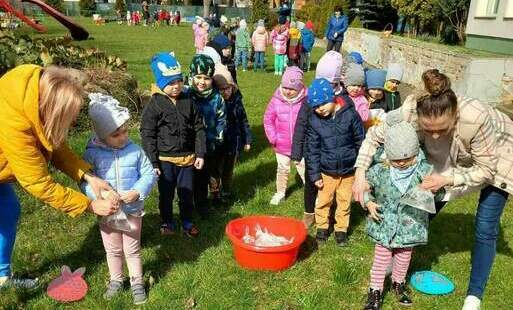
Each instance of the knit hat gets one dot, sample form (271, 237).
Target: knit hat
(401, 140)
(300, 25)
(106, 114)
(222, 41)
(243, 24)
(222, 76)
(166, 69)
(375, 79)
(293, 78)
(261, 22)
(355, 57)
(320, 92)
(355, 76)
(330, 67)
(394, 72)
(212, 53)
(309, 25)
(202, 64)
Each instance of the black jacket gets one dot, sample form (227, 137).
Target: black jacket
(332, 143)
(172, 130)
(238, 132)
(392, 100)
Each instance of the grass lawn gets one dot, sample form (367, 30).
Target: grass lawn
(204, 269)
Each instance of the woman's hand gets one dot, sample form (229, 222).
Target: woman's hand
(98, 185)
(435, 182)
(373, 207)
(103, 207)
(360, 186)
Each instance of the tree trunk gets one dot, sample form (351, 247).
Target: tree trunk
(186, 2)
(206, 7)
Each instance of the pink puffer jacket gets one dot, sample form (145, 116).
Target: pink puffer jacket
(200, 37)
(280, 120)
(260, 39)
(280, 41)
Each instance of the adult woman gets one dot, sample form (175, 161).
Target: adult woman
(337, 26)
(469, 144)
(38, 108)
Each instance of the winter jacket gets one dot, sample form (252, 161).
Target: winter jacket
(171, 130)
(362, 107)
(227, 61)
(294, 45)
(238, 132)
(279, 40)
(393, 100)
(201, 38)
(336, 25)
(280, 120)
(307, 40)
(402, 226)
(213, 111)
(24, 149)
(125, 169)
(260, 39)
(242, 40)
(332, 143)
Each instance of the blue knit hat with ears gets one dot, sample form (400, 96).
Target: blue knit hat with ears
(320, 92)
(166, 69)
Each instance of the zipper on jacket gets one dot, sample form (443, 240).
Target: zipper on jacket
(118, 179)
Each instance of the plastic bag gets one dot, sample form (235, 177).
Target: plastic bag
(118, 221)
(419, 199)
(263, 238)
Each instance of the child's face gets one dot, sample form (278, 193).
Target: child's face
(325, 109)
(118, 138)
(376, 94)
(227, 52)
(354, 90)
(174, 89)
(289, 93)
(402, 164)
(226, 91)
(393, 84)
(203, 82)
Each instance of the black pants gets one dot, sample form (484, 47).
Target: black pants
(217, 173)
(310, 193)
(180, 178)
(334, 45)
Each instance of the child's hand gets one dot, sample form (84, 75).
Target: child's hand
(130, 196)
(373, 207)
(319, 184)
(199, 163)
(157, 171)
(247, 147)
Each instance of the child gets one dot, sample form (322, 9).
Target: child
(279, 38)
(222, 44)
(308, 40)
(279, 123)
(393, 79)
(330, 68)
(375, 81)
(174, 139)
(295, 45)
(334, 136)
(242, 45)
(212, 107)
(260, 40)
(128, 18)
(237, 136)
(354, 81)
(394, 226)
(201, 37)
(126, 168)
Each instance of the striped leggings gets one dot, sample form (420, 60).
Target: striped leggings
(383, 257)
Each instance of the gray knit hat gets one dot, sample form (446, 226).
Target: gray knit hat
(106, 114)
(355, 76)
(401, 140)
(261, 22)
(394, 72)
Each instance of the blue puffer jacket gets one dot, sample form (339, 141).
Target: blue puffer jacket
(238, 132)
(125, 169)
(338, 26)
(332, 143)
(308, 40)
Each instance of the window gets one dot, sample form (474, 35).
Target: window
(487, 8)
(509, 9)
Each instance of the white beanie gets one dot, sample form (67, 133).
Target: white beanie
(212, 53)
(394, 72)
(243, 24)
(106, 114)
(401, 139)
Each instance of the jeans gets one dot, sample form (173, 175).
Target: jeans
(241, 56)
(179, 178)
(279, 63)
(9, 215)
(334, 45)
(259, 60)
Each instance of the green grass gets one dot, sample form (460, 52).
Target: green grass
(204, 269)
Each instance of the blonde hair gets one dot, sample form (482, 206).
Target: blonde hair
(60, 100)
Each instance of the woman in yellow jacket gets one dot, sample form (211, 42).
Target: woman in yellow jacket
(37, 108)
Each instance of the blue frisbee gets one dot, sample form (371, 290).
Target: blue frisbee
(431, 283)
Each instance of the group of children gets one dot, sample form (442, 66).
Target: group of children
(160, 17)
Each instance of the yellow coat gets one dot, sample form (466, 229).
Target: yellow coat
(24, 150)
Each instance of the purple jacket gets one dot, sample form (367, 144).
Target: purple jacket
(280, 120)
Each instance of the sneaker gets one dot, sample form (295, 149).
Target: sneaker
(190, 230)
(322, 235)
(277, 198)
(401, 292)
(374, 300)
(168, 229)
(139, 294)
(113, 288)
(472, 303)
(341, 238)
(20, 283)
(308, 219)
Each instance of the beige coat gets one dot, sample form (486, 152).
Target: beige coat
(482, 146)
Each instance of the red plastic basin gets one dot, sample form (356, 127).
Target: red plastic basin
(266, 258)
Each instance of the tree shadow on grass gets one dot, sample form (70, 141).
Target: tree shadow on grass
(246, 184)
(259, 145)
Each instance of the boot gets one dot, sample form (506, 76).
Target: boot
(401, 292)
(308, 219)
(322, 235)
(374, 300)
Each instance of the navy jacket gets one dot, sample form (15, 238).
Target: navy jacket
(238, 132)
(333, 142)
(338, 26)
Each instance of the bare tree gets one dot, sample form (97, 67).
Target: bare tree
(206, 7)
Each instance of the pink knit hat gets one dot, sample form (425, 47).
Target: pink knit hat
(330, 67)
(293, 78)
